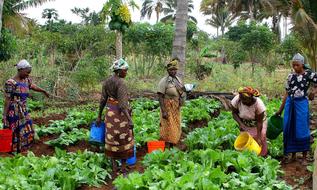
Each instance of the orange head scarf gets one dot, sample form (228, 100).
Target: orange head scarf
(249, 92)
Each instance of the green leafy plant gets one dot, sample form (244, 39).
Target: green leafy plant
(220, 134)
(200, 109)
(204, 169)
(69, 138)
(61, 171)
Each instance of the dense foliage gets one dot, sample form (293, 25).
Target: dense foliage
(204, 169)
(61, 171)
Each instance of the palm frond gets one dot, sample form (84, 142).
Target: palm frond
(133, 5)
(22, 5)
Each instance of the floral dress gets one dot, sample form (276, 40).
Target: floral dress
(18, 118)
(298, 85)
(296, 132)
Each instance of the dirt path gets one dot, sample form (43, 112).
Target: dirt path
(297, 175)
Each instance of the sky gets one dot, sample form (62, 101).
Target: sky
(64, 10)
(64, 7)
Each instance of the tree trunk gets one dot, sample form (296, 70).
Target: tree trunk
(222, 31)
(1, 8)
(118, 44)
(157, 16)
(217, 32)
(285, 26)
(179, 43)
(251, 12)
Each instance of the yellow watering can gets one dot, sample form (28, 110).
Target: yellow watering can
(246, 142)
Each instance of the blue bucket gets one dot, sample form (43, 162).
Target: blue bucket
(97, 133)
(132, 160)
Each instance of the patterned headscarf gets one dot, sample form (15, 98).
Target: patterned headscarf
(172, 64)
(23, 64)
(119, 64)
(249, 92)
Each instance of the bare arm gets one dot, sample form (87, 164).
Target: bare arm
(259, 122)
(102, 104)
(236, 117)
(38, 89)
(280, 111)
(5, 110)
(162, 106)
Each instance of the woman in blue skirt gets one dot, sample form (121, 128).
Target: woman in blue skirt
(295, 103)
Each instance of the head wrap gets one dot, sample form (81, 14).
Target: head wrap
(172, 64)
(23, 64)
(298, 57)
(119, 64)
(249, 92)
(301, 59)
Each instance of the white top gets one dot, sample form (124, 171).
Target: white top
(248, 112)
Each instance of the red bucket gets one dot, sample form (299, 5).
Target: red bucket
(5, 140)
(155, 145)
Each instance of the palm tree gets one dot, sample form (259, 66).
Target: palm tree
(150, 6)
(1, 8)
(304, 18)
(251, 9)
(12, 18)
(222, 19)
(50, 15)
(170, 10)
(88, 17)
(179, 42)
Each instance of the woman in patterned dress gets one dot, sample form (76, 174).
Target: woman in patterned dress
(250, 113)
(296, 132)
(119, 125)
(171, 94)
(15, 113)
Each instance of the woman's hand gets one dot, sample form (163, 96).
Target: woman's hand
(258, 139)
(5, 121)
(278, 113)
(311, 96)
(98, 120)
(46, 94)
(243, 127)
(131, 125)
(165, 115)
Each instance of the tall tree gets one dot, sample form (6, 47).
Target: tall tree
(88, 17)
(120, 16)
(179, 42)
(251, 9)
(304, 18)
(222, 19)
(50, 15)
(1, 8)
(170, 10)
(12, 18)
(150, 6)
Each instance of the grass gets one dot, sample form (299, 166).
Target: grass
(225, 79)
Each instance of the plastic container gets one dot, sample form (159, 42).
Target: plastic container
(97, 133)
(132, 160)
(274, 127)
(5, 140)
(246, 142)
(155, 145)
